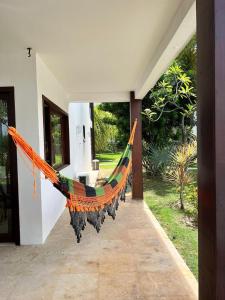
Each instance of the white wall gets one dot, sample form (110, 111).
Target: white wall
(32, 79)
(80, 149)
(79, 115)
(17, 70)
(53, 202)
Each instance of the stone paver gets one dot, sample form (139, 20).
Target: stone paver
(131, 258)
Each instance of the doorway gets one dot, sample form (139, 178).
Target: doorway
(9, 208)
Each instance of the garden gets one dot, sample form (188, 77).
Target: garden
(169, 150)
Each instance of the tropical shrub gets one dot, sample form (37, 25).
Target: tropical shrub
(121, 119)
(105, 132)
(191, 197)
(174, 93)
(170, 98)
(178, 171)
(155, 159)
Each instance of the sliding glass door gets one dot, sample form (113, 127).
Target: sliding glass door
(9, 212)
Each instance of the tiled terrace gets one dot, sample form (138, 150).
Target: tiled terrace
(131, 258)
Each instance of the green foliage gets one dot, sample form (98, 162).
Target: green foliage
(56, 128)
(121, 119)
(169, 114)
(4, 148)
(191, 197)
(3, 111)
(160, 197)
(105, 132)
(155, 159)
(173, 93)
(169, 108)
(178, 171)
(108, 160)
(187, 60)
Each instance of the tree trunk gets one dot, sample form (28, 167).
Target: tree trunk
(181, 197)
(183, 133)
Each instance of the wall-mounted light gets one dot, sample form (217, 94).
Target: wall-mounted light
(29, 51)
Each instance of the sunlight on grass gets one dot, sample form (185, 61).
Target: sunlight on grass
(108, 157)
(107, 163)
(160, 197)
(108, 160)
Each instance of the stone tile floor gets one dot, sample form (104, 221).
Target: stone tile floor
(131, 258)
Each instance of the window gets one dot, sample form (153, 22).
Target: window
(56, 135)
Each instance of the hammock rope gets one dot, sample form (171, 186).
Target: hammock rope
(85, 203)
(36, 160)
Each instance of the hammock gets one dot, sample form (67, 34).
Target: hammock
(85, 203)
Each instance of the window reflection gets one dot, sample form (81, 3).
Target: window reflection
(56, 131)
(5, 186)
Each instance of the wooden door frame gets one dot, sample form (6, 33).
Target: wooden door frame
(13, 167)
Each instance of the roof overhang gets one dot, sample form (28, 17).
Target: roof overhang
(100, 50)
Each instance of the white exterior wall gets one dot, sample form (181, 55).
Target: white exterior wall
(80, 149)
(53, 202)
(17, 70)
(81, 156)
(32, 79)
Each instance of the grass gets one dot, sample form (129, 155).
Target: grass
(108, 160)
(160, 197)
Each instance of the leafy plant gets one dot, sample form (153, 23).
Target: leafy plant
(155, 159)
(121, 119)
(188, 59)
(105, 132)
(3, 111)
(178, 172)
(191, 197)
(174, 92)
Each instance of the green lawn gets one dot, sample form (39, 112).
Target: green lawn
(108, 160)
(160, 197)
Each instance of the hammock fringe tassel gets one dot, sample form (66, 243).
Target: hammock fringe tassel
(79, 220)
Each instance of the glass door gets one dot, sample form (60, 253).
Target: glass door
(9, 214)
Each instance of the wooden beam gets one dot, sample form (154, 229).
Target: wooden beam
(211, 147)
(135, 112)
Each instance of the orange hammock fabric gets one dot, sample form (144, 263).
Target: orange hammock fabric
(85, 203)
(37, 161)
(77, 199)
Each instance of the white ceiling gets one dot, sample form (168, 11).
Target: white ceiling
(98, 49)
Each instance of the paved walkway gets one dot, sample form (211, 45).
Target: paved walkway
(130, 259)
